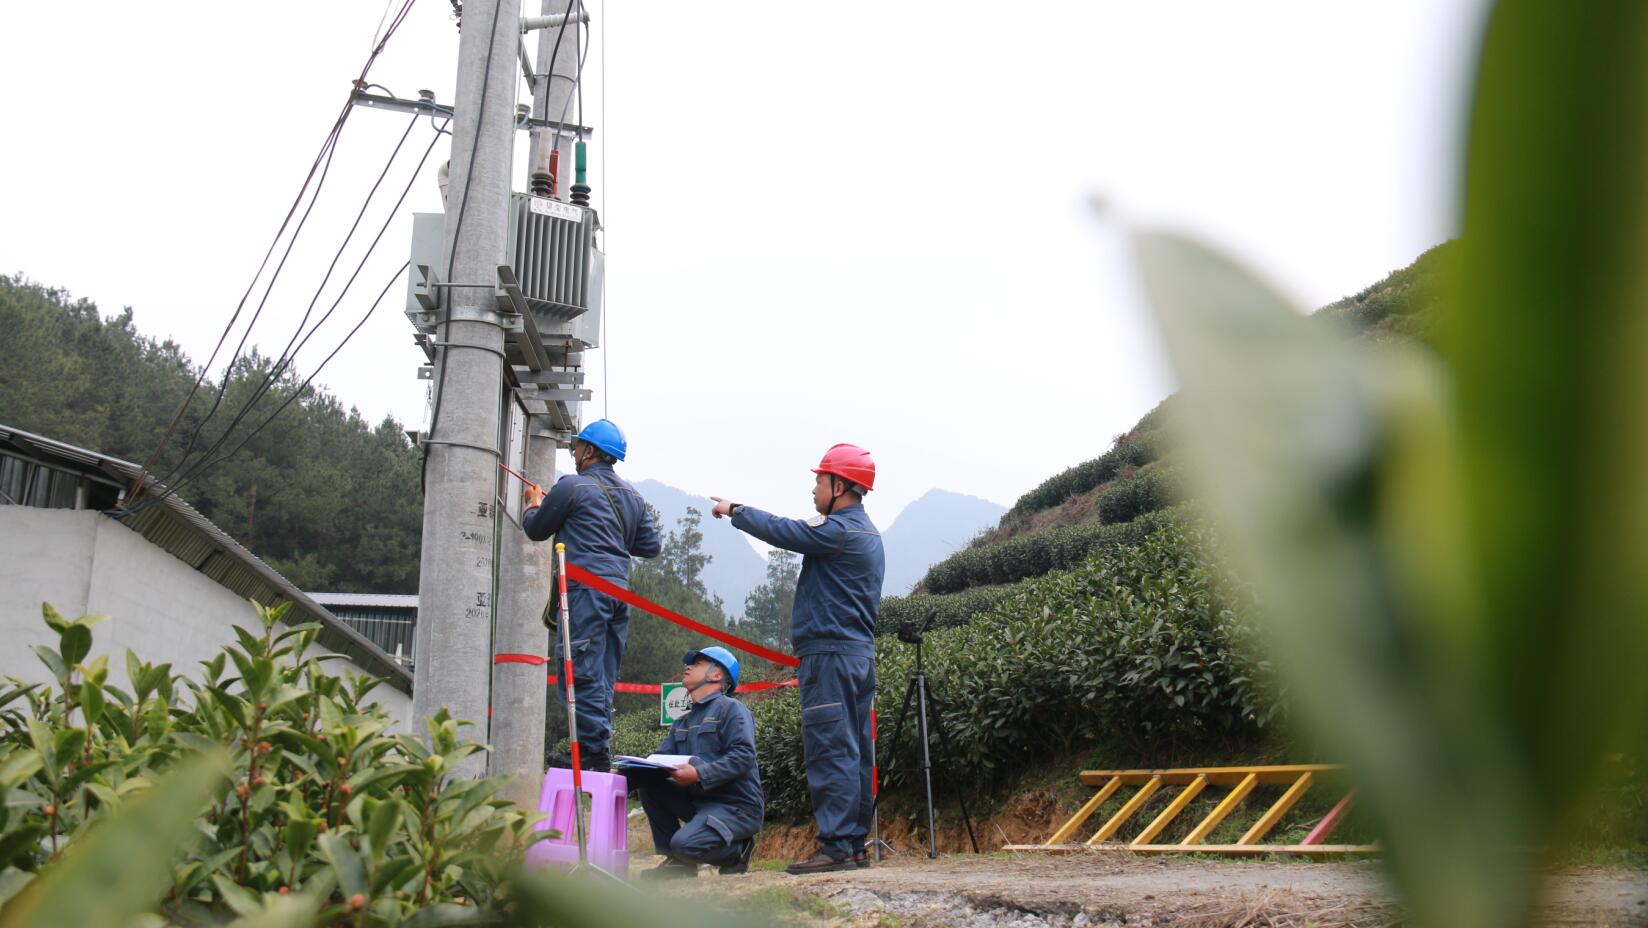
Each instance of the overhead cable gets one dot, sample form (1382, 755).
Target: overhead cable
(331, 138)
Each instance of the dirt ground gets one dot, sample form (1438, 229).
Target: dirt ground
(1114, 888)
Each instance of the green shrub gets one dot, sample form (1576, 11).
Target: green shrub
(1143, 493)
(1137, 452)
(637, 733)
(320, 800)
(1140, 645)
(1036, 554)
(945, 611)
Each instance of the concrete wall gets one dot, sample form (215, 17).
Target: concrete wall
(85, 563)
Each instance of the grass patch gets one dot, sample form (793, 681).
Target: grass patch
(784, 905)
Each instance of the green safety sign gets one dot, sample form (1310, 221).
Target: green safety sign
(673, 703)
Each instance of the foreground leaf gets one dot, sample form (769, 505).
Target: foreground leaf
(124, 866)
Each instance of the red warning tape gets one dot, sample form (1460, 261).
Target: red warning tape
(574, 572)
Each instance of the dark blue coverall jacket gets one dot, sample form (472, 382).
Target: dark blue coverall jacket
(725, 806)
(837, 600)
(600, 536)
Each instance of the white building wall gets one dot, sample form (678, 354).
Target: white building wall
(85, 563)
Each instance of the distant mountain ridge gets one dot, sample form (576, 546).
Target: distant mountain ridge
(929, 530)
(734, 569)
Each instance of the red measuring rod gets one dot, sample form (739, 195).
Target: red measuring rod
(517, 476)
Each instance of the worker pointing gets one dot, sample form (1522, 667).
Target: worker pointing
(837, 601)
(603, 522)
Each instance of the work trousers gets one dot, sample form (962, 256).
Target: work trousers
(836, 692)
(599, 629)
(696, 830)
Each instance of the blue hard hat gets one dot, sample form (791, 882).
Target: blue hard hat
(719, 655)
(606, 435)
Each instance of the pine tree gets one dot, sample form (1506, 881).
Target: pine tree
(767, 609)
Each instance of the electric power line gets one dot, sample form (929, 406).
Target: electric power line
(331, 138)
(320, 367)
(288, 353)
(207, 459)
(194, 434)
(280, 367)
(296, 394)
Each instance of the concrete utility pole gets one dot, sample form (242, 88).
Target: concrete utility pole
(454, 632)
(519, 693)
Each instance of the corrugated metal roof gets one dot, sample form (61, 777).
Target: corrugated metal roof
(394, 600)
(190, 537)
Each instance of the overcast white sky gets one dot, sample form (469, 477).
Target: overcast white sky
(867, 226)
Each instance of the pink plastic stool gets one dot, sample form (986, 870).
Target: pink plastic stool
(608, 844)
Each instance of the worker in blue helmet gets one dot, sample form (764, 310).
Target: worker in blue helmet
(709, 810)
(603, 522)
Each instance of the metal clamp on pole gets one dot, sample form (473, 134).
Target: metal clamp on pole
(553, 20)
(462, 444)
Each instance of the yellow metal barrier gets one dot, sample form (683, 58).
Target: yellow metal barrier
(1193, 781)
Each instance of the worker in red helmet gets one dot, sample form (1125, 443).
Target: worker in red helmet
(837, 600)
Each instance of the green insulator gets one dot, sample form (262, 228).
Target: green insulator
(581, 162)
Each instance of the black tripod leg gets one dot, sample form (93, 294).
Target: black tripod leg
(898, 729)
(952, 758)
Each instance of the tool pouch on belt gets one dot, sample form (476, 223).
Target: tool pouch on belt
(552, 609)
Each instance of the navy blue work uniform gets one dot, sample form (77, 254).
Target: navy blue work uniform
(603, 522)
(705, 822)
(837, 600)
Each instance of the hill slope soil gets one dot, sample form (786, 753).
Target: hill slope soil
(1114, 888)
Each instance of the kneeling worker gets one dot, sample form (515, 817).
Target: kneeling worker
(710, 809)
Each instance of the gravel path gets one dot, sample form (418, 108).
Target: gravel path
(1106, 889)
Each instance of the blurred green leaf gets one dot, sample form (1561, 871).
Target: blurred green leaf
(346, 863)
(294, 911)
(74, 643)
(381, 825)
(123, 867)
(53, 662)
(242, 900)
(91, 702)
(1303, 443)
(1548, 349)
(53, 618)
(446, 914)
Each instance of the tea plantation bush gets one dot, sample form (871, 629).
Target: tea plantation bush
(1140, 645)
(637, 733)
(315, 798)
(947, 610)
(1036, 554)
(1083, 477)
(1145, 492)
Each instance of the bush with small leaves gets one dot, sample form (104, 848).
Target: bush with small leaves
(319, 799)
(1143, 493)
(1136, 449)
(1036, 554)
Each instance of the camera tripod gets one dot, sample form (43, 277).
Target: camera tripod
(927, 704)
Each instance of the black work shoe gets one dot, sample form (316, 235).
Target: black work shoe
(741, 864)
(861, 860)
(820, 862)
(671, 869)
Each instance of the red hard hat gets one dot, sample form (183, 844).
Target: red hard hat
(849, 462)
